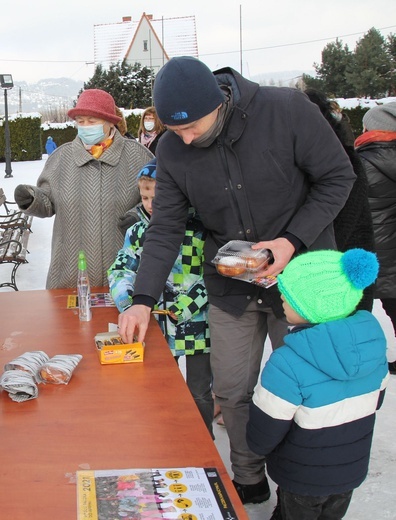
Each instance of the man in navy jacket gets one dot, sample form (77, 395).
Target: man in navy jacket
(258, 164)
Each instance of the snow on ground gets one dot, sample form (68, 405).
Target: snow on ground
(363, 102)
(374, 500)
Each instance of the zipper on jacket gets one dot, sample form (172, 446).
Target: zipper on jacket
(220, 145)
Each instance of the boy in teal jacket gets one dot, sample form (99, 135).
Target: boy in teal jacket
(184, 299)
(313, 410)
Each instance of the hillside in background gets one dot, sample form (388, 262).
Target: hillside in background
(286, 78)
(47, 94)
(59, 93)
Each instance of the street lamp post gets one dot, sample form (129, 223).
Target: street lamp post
(7, 84)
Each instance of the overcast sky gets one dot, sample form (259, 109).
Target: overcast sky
(44, 39)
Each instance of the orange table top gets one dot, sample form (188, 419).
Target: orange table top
(138, 415)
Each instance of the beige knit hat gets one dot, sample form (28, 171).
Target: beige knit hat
(381, 117)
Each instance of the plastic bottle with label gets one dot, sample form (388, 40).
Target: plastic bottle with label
(83, 289)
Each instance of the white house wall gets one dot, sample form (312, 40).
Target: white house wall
(114, 42)
(146, 49)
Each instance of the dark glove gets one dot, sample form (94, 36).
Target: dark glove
(22, 196)
(127, 220)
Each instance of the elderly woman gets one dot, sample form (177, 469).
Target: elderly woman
(89, 185)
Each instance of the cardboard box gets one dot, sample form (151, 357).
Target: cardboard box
(112, 350)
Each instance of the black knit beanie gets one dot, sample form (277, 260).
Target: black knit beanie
(185, 90)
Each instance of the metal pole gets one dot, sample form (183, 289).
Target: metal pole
(240, 35)
(8, 169)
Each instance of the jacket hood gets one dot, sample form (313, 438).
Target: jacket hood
(242, 94)
(341, 349)
(382, 155)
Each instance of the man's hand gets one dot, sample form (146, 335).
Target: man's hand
(136, 318)
(282, 250)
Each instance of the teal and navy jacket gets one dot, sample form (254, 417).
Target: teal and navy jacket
(184, 294)
(313, 409)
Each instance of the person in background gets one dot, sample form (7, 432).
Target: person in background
(184, 300)
(150, 129)
(377, 149)
(88, 184)
(50, 145)
(122, 126)
(313, 410)
(353, 226)
(258, 164)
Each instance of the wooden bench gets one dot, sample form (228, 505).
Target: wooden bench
(12, 214)
(15, 229)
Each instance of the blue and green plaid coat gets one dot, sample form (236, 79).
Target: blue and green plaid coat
(184, 294)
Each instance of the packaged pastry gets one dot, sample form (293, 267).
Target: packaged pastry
(59, 369)
(19, 384)
(237, 259)
(29, 362)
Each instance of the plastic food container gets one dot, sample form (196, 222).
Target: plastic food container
(238, 260)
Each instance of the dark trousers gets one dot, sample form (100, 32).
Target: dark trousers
(389, 306)
(302, 507)
(199, 382)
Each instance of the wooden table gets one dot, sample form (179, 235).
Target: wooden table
(108, 417)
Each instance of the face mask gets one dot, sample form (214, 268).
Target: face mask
(92, 134)
(337, 116)
(149, 125)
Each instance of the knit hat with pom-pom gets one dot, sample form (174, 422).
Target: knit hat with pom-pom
(327, 285)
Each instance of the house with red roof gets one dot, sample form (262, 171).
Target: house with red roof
(148, 41)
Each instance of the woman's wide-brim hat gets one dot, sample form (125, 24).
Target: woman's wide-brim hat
(97, 103)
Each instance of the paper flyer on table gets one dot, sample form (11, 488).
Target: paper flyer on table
(147, 494)
(97, 300)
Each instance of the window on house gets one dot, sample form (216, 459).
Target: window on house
(145, 45)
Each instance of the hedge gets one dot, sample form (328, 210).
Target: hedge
(28, 136)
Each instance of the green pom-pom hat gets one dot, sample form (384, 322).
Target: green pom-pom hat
(327, 285)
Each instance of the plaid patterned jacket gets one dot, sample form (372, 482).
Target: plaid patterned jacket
(184, 294)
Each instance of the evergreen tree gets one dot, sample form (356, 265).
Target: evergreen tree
(391, 49)
(332, 73)
(311, 82)
(371, 65)
(130, 85)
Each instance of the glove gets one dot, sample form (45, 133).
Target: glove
(127, 220)
(22, 196)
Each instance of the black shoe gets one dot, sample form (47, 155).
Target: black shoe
(392, 367)
(253, 493)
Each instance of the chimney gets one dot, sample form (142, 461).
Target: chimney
(149, 16)
(127, 18)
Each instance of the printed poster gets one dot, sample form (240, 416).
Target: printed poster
(151, 494)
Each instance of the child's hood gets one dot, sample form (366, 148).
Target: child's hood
(344, 349)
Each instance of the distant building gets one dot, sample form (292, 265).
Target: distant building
(148, 41)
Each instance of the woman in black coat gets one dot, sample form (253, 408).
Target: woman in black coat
(377, 149)
(353, 226)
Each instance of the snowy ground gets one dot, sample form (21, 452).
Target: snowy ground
(374, 500)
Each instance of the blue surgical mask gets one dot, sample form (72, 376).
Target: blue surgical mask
(149, 125)
(92, 134)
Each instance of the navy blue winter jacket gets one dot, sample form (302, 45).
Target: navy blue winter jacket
(276, 168)
(313, 411)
